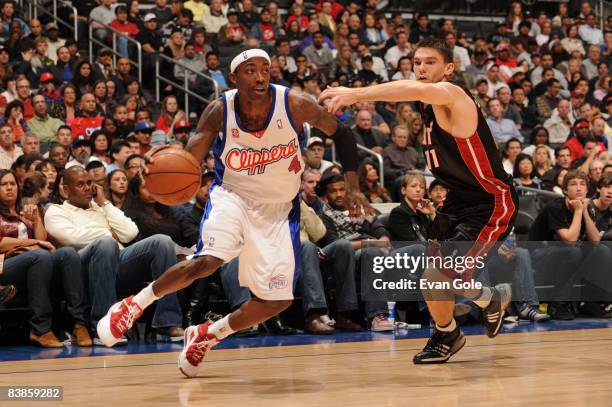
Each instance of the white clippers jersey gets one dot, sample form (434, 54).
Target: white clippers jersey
(263, 166)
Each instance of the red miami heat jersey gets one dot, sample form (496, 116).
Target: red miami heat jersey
(263, 166)
(471, 168)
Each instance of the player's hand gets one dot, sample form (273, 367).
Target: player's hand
(576, 205)
(339, 96)
(358, 205)
(148, 157)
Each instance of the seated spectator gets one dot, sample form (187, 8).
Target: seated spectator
(568, 220)
(63, 71)
(66, 109)
(30, 144)
(437, 193)
(43, 125)
(221, 81)
(198, 8)
(366, 135)
(404, 70)
(35, 270)
(190, 59)
(161, 11)
(366, 73)
(214, 19)
(133, 165)
(13, 116)
(96, 171)
(546, 103)
(340, 257)
(319, 54)
(48, 89)
(581, 135)
(118, 153)
(589, 32)
(510, 111)
(9, 152)
(539, 136)
(183, 23)
(590, 151)
(99, 231)
(144, 133)
(296, 13)
(541, 160)
(81, 151)
(40, 61)
(59, 155)
(117, 187)
(398, 156)
(600, 208)
(36, 191)
(340, 226)
(422, 29)
(571, 42)
(378, 65)
(88, 119)
(313, 156)
(501, 129)
(547, 62)
(266, 31)
(512, 150)
(233, 33)
(560, 123)
(524, 174)
(47, 168)
(589, 65)
(370, 185)
(308, 190)
(494, 81)
(149, 38)
(102, 101)
(563, 160)
(122, 25)
(100, 16)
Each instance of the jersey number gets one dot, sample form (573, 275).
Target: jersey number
(430, 154)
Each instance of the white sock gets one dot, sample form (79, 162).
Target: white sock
(145, 297)
(448, 328)
(484, 298)
(221, 328)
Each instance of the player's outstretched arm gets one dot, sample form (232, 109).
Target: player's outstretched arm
(441, 94)
(209, 126)
(305, 110)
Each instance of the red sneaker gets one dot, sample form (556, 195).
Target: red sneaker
(119, 318)
(197, 342)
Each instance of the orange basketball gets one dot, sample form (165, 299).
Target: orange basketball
(173, 177)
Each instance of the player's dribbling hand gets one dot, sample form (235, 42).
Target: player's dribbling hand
(339, 96)
(148, 157)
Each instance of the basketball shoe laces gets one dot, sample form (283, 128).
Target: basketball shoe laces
(130, 313)
(197, 351)
(434, 344)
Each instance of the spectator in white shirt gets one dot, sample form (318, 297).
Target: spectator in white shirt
(589, 31)
(402, 49)
(458, 51)
(589, 65)
(98, 230)
(9, 152)
(494, 81)
(105, 14)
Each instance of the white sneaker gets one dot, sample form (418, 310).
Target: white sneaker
(197, 342)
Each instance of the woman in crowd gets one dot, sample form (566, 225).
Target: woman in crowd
(539, 136)
(343, 64)
(36, 191)
(297, 15)
(558, 187)
(132, 87)
(341, 35)
(83, 78)
(47, 168)
(100, 143)
(524, 173)
(541, 160)
(572, 41)
(295, 36)
(117, 187)
(66, 110)
(13, 115)
(411, 220)
(150, 216)
(404, 69)
(370, 183)
(199, 38)
(369, 34)
(38, 266)
(100, 92)
(415, 138)
(170, 114)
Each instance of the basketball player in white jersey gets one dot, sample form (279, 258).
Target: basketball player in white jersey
(253, 209)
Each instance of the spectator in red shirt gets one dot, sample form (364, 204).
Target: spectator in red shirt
(87, 119)
(297, 15)
(121, 24)
(336, 7)
(581, 135)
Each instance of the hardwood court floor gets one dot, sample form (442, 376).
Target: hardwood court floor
(553, 368)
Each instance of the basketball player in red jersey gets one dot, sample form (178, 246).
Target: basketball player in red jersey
(481, 205)
(252, 213)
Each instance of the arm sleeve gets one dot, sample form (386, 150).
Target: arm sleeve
(123, 226)
(313, 225)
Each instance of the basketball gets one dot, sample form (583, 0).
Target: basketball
(173, 177)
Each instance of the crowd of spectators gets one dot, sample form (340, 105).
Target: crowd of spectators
(77, 221)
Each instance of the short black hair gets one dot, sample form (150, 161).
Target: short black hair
(439, 45)
(115, 148)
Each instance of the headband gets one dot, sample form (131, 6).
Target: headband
(246, 55)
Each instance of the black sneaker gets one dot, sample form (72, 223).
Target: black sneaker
(440, 347)
(561, 311)
(593, 309)
(494, 313)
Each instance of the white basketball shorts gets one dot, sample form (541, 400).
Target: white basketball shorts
(265, 237)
